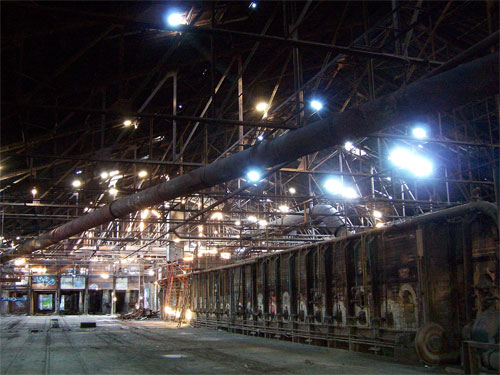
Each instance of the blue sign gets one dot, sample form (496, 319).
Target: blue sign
(14, 299)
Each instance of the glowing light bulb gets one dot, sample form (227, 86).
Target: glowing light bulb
(419, 133)
(261, 107)
(176, 19)
(253, 176)
(316, 105)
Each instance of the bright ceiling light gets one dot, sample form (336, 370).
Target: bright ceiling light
(316, 105)
(225, 255)
(113, 191)
(262, 223)
(217, 216)
(377, 214)
(421, 168)
(261, 107)
(104, 276)
(113, 173)
(348, 146)
(284, 208)
(151, 272)
(144, 214)
(380, 225)
(141, 226)
(76, 183)
(253, 5)
(416, 164)
(349, 192)
(176, 19)
(252, 219)
(127, 122)
(237, 223)
(34, 191)
(333, 186)
(253, 176)
(260, 137)
(292, 190)
(142, 174)
(19, 262)
(104, 175)
(419, 133)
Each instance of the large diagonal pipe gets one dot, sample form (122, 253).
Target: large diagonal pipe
(475, 80)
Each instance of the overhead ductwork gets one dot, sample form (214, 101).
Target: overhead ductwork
(322, 215)
(463, 84)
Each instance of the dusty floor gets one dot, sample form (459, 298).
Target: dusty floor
(29, 345)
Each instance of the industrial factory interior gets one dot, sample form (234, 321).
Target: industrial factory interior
(266, 187)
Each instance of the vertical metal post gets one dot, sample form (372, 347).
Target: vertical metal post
(30, 295)
(103, 122)
(468, 271)
(240, 102)
(372, 180)
(174, 122)
(447, 185)
(403, 198)
(395, 26)
(113, 296)
(86, 296)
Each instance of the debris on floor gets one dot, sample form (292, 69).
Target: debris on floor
(140, 314)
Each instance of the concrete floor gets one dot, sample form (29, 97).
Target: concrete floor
(29, 345)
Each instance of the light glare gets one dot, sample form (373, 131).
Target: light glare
(176, 19)
(76, 183)
(252, 219)
(316, 105)
(217, 216)
(419, 133)
(142, 174)
(284, 208)
(261, 107)
(253, 176)
(335, 187)
(19, 262)
(405, 159)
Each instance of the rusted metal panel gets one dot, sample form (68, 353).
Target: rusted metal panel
(374, 291)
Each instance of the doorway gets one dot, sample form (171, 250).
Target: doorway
(44, 302)
(70, 302)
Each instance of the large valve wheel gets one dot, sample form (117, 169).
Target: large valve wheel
(430, 344)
